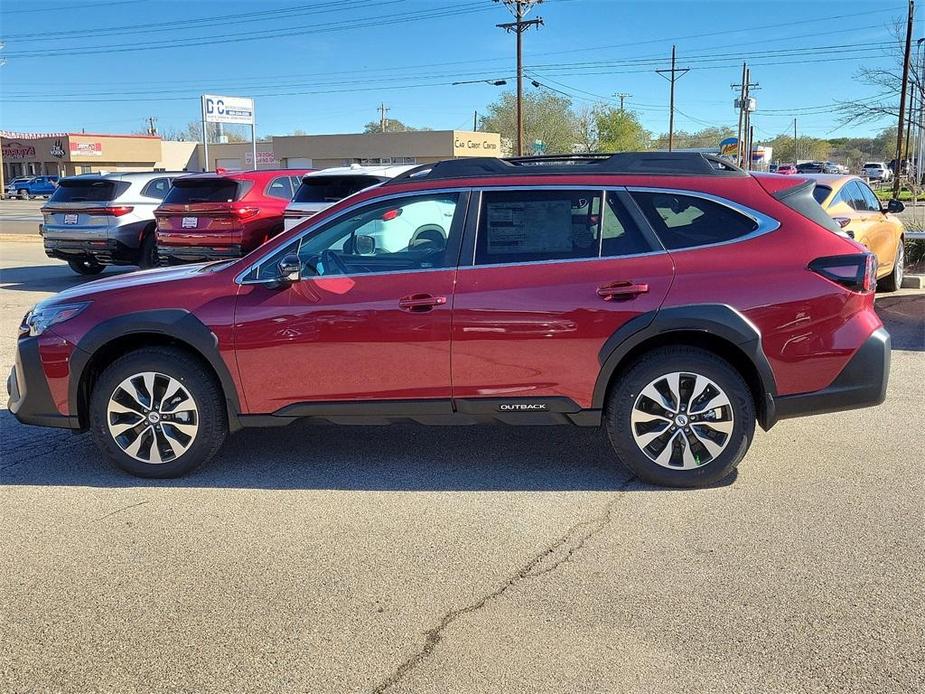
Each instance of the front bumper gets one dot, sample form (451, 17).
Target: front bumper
(105, 252)
(30, 399)
(862, 383)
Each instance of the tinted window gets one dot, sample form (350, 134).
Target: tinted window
(185, 192)
(404, 234)
(683, 221)
(328, 189)
(85, 190)
(535, 225)
(620, 235)
(867, 195)
(156, 188)
(280, 188)
(821, 193)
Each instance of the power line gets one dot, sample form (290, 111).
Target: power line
(675, 73)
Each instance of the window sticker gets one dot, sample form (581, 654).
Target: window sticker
(542, 226)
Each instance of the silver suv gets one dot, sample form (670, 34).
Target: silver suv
(95, 220)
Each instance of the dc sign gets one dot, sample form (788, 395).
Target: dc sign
(227, 109)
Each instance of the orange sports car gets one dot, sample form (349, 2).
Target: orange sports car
(851, 203)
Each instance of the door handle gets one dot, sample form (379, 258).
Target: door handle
(621, 290)
(419, 303)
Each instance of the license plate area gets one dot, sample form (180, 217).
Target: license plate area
(189, 222)
(70, 219)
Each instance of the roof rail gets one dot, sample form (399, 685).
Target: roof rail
(646, 163)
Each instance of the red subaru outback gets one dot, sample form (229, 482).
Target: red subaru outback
(222, 215)
(673, 299)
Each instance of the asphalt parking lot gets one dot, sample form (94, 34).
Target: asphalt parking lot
(465, 559)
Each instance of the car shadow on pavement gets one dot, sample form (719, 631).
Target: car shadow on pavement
(42, 278)
(400, 457)
(904, 318)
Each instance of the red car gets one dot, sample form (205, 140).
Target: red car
(222, 215)
(671, 298)
(787, 169)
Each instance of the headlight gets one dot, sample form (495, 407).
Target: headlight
(39, 319)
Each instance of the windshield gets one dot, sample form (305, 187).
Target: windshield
(328, 189)
(186, 192)
(85, 190)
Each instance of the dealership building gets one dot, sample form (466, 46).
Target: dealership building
(67, 154)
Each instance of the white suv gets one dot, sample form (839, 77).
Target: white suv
(877, 171)
(321, 189)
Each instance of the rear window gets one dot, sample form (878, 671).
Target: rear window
(87, 190)
(873, 166)
(332, 188)
(685, 221)
(188, 192)
(821, 193)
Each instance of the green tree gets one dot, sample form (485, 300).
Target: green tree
(392, 125)
(707, 137)
(619, 130)
(547, 117)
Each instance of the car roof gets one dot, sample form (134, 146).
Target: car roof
(247, 175)
(831, 179)
(384, 170)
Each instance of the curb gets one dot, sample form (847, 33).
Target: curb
(913, 282)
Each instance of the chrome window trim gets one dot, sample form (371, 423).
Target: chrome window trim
(765, 223)
(239, 278)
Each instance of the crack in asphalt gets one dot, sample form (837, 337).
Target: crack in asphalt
(120, 510)
(574, 539)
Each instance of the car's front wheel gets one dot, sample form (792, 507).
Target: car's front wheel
(680, 417)
(157, 412)
(86, 266)
(23, 194)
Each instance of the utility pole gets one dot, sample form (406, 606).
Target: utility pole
(675, 73)
(744, 103)
(475, 121)
(741, 113)
(520, 9)
(152, 125)
(383, 121)
(794, 141)
(902, 100)
(621, 96)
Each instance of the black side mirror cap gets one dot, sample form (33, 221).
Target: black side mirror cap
(895, 206)
(289, 268)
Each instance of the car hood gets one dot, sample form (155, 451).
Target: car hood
(90, 290)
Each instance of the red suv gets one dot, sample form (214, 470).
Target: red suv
(222, 215)
(673, 299)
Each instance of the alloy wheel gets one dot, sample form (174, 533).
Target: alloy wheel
(682, 420)
(152, 417)
(898, 264)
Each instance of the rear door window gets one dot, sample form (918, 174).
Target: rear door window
(191, 191)
(687, 221)
(330, 189)
(522, 226)
(620, 235)
(871, 201)
(156, 188)
(86, 190)
(280, 187)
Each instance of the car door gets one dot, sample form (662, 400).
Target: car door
(882, 232)
(367, 322)
(546, 277)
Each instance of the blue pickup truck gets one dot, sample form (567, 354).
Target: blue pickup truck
(31, 187)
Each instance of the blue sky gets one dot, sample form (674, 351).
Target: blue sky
(323, 66)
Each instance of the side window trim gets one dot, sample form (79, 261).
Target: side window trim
(766, 224)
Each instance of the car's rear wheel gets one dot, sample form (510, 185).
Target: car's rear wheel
(86, 266)
(157, 412)
(894, 280)
(681, 417)
(147, 253)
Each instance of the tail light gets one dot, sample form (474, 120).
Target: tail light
(245, 212)
(117, 211)
(857, 272)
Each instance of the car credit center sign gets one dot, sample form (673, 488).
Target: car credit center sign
(228, 109)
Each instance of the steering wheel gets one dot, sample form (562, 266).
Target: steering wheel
(329, 257)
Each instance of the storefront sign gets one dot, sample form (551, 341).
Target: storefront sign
(263, 158)
(17, 150)
(86, 149)
(228, 109)
(478, 145)
(57, 150)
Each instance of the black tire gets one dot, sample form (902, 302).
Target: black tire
(205, 391)
(86, 266)
(894, 280)
(147, 252)
(23, 194)
(687, 360)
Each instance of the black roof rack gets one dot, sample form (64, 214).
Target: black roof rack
(651, 163)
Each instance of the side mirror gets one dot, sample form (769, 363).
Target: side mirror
(365, 245)
(289, 268)
(895, 206)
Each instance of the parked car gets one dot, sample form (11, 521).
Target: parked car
(858, 211)
(877, 171)
(787, 169)
(29, 187)
(321, 189)
(95, 220)
(671, 298)
(811, 167)
(222, 215)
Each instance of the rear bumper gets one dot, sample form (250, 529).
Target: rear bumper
(104, 251)
(168, 255)
(30, 398)
(862, 383)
